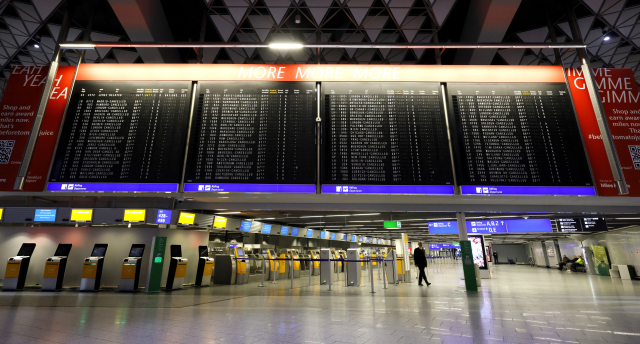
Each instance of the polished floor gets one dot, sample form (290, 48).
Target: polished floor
(520, 304)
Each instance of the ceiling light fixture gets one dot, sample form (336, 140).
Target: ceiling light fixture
(286, 46)
(37, 46)
(229, 212)
(606, 38)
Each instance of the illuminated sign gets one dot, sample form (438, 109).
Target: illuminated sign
(134, 215)
(309, 233)
(44, 215)
(164, 217)
(219, 222)
(446, 227)
(353, 238)
(1, 210)
(284, 230)
(81, 215)
(392, 224)
(245, 226)
(323, 234)
(186, 218)
(295, 231)
(266, 228)
(333, 236)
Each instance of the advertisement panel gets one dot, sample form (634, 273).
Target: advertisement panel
(601, 260)
(49, 129)
(619, 94)
(17, 112)
(477, 248)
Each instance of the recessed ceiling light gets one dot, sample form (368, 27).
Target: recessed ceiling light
(229, 212)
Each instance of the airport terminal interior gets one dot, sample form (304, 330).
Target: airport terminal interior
(320, 171)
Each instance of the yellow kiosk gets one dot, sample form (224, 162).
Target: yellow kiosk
(205, 267)
(296, 263)
(55, 267)
(131, 266)
(17, 267)
(92, 268)
(177, 268)
(242, 274)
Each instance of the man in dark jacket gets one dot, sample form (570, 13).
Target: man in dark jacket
(420, 260)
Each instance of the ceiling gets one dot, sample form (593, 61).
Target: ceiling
(29, 29)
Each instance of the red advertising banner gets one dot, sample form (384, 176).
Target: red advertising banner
(49, 130)
(619, 93)
(17, 111)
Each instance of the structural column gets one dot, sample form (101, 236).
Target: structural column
(466, 254)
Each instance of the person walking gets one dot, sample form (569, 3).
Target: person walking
(420, 260)
(495, 257)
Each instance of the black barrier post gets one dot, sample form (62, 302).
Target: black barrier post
(330, 275)
(262, 283)
(309, 264)
(291, 270)
(275, 270)
(371, 275)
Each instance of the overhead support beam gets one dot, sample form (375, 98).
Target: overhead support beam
(487, 21)
(145, 21)
(329, 45)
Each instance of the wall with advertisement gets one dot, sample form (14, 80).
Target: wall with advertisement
(477, 247)
(620, 100)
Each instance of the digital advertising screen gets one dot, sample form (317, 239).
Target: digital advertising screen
(81, 215)
(163, 217)
(186, 218)
(44, 215)
(134, 215)
(245, 226)
(477, 247)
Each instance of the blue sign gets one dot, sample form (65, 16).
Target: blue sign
(435, 246)
(446, 227)
(344, 237)
(245, 226)
(266, 228)
(450, 246)
(284, 230)
(164, 217)
(295, 231)
(274, 188)
(353, 238)
(45, 215)
(148, 187)
(529, 226)
(322, 234)
(390, 189)
(486, 226)
(309, 233)
(528, 190)
(333, 236)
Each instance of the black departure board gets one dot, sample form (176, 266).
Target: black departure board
(123, 132)
(517, 134)
(384, 134)
(253, 133)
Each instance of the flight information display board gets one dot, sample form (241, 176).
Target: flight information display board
(517, 139)
(385, 138)
(123, 136)
(253, 137)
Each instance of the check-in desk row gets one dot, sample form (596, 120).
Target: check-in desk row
(55, 267)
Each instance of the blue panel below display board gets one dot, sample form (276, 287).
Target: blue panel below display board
(309, 233)
(145, 187)
(275, 188)
(390, 189)
(445, 227)
(322, 234)
(245, 226)
(266, 229)
(529, 226)
(486, 226)
(528, 190)
(284, 230)
(333, 236)
(45, 215)
(295, 231)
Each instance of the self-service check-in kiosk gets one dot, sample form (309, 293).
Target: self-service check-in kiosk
(272, 269)
(283, 267)
(92, 268)
(177, 268)
(337, 266)
(17, 267)
(343, 255)
(325, 265)
(292, 254)
(131, 266)
(391, 267)
(205, 267)
(55, 267)
(242, 273)
(354, 269)
(314, 266)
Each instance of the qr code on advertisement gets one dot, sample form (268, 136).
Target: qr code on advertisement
(6, 146)
(635, 156)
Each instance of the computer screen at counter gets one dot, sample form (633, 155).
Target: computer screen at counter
(284, 230)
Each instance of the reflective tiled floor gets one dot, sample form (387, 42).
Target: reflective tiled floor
(519, 305)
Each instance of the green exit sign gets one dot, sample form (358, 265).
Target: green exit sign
(392, 224)
(456, 243)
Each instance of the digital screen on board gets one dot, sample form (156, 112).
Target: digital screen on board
(333, 236)
(295, 231)
(123, 136)
(219, 222)
(322, 234)
(569, 225)
(309, 233)
(256, 136)
(406, 150)
(266, 229)
(284, 230)
(594, 224)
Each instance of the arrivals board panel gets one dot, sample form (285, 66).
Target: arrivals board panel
(123, 136)
(385, 138)
(253, 137)
(517, 139)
